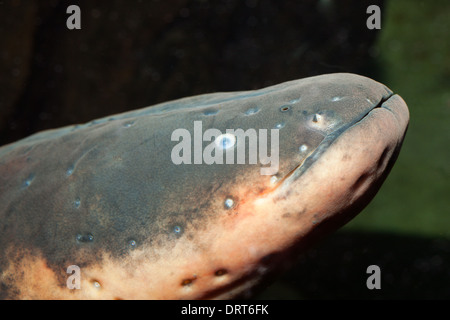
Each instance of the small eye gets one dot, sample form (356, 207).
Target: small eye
(316, 118)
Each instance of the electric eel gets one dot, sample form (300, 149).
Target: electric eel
(205, 197)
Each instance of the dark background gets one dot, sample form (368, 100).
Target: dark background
(131, 54)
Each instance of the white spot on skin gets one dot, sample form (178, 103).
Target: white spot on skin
(303, 148)
(69, 171)
(226, 141)
(252, 111)
(229, 203)
(273, 179)
(128, 124)
(334, 99)
(28, 181)
(294, 100)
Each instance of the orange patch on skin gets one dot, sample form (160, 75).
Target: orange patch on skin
(31, 278)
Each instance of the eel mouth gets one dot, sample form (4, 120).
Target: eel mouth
(329, 139)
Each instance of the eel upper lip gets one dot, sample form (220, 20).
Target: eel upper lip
(328, 140)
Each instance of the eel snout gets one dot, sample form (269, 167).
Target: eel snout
(332, 185)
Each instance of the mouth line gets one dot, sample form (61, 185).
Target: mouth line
(315, 154)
